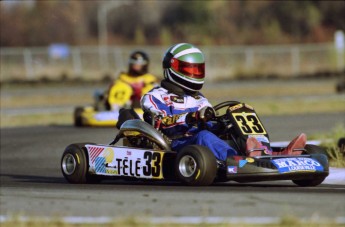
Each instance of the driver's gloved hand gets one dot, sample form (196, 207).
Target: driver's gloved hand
(206, 113)
(203, 115)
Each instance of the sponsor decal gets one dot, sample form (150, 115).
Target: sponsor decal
(232, 169)
(177, 99)
(111, 171)
(127, 162)
(242, 163)
(248, 106)
(108, 154)
(94, 152)
(100, 165)
(297, 164)
(232, 108)
(127, 167)
(167, 100)
(170, 120)
(250, 160)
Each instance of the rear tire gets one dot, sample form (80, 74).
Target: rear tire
(314, 149)
(196, 166)
(78, 121)
(75, 166)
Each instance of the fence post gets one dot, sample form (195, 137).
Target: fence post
(249, 53)
(29, 71)
(339, 43)
(295, 60)
(118, 60)
(77, 66)
(103, 58)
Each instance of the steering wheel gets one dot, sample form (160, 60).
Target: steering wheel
(222, 105)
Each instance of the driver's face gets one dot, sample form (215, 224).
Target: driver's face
(137, 67)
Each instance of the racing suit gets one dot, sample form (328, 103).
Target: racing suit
(173, 106)
(127, 90)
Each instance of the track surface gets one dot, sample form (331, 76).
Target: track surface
(32, 183)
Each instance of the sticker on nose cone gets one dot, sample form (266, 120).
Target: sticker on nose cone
(242, 163)
(232, 169)
(297, 165)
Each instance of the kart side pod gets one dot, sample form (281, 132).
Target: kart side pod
(138, 127)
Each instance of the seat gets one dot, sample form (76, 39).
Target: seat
(124, 115)
(135, 126)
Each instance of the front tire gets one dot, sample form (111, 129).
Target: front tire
(314, 151)
(309, 183)
(74, 165)
(196, 166)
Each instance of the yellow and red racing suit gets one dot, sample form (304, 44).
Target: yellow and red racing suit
(127, 90)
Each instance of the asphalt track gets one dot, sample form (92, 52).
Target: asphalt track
(32, 183)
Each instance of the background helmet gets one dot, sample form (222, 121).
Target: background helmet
(184, 65)
(138, 58)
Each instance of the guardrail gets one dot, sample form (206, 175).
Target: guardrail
(222, 62)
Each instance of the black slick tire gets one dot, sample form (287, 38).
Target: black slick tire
(196, 166)
(74, 165)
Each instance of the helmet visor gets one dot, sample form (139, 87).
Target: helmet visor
(193, 70)
(139, 61)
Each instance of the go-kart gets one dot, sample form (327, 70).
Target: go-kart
(146, 154)
(90, 116)
(98, 114)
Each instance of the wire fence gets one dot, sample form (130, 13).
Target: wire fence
(222, 62)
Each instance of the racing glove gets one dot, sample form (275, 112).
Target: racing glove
(203, 115)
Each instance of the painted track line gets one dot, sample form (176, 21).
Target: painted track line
(194, 220)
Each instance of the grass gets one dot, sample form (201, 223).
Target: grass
(268, 98)
(336, 154)
(295, 106)
(264, 108)
(283, 222)
(36, 120)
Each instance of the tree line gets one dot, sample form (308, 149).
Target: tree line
(154, 22)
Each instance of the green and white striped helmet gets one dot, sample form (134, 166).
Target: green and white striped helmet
(184, 65)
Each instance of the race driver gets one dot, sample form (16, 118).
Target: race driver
(179, 107)
(127, 90)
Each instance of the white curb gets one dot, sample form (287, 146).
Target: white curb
(336, 176)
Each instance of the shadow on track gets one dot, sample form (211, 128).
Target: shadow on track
(33, 179)
(137, 185)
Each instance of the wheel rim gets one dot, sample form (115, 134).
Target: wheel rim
(68, 164)
(187, 166)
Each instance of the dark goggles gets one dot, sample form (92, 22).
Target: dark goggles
(193, 70)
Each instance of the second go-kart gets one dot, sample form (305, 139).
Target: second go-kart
(100, 113)
(146, 154)
(91, 116)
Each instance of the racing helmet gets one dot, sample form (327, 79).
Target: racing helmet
(184, 65)
(138, 63)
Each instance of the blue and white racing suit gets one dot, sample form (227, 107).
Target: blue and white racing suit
(173, 109)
